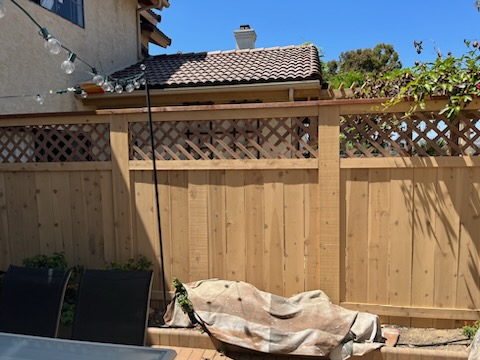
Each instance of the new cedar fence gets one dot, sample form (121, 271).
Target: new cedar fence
(380, 212)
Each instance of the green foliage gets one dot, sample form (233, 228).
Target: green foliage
(141, 263)
(470, 329)
(55, 261)
(182, 297)
(355, 66)
(347, 78)
(457, 78)
(381, 58)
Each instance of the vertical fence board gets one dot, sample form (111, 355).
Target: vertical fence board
(294, 232)
(93, 206)
(357, 236)
(274, 235)
(121, 187)
(179, 225)
(166, 234)
(62, 215)
(254, 222)
(468, 286)
(312, 231)
(379, 206)
(400, 275)
(447, 231)
(198, 222)
(145, 219)
(217, 225)
(4, 231)
(30, 216)
(108, 226)
(14, 185)
(79, 223)
(43, 198)
(235, 226)
(425, 200)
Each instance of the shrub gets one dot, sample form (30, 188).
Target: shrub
(470, 329)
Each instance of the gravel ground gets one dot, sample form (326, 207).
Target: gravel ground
(436, 339)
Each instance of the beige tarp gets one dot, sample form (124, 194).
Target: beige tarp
(239, 314)
(475, 348)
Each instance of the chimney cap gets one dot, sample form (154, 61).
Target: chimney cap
(245, 37)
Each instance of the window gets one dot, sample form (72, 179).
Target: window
(71, 10)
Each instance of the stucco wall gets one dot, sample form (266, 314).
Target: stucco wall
(108, 42)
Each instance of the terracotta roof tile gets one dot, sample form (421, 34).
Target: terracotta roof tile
(230, 67)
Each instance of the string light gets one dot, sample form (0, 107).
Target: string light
(3, 9)
(68, 66)
(477, 5)
(54, 47)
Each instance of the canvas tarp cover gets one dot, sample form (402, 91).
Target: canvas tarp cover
(239, 314)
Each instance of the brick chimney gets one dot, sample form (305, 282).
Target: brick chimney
(245, 37)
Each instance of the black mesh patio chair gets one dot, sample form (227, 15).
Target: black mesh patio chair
(31, 300)
(112, 306)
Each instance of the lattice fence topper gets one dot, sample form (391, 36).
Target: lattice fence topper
(273, 138)
(55, 143)
(425, 134)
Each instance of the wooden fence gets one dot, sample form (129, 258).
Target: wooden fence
(381, 213)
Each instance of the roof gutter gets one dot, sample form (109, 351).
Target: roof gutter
(289, 85)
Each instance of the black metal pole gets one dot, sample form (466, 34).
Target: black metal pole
(155, 181)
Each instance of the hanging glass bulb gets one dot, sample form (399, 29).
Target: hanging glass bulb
(136, 84)
(53, 46)
(118, 88)
(98, 80)
(107, 86)
(3, 9)
(477, 5)
(83, 94)
(129, 88)
(143, 81)
(39, 99)
(68, 66)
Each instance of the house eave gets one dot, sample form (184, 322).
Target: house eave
(296, 85)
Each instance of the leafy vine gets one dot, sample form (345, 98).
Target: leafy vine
(456, 78)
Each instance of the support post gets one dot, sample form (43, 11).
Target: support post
(329, 190)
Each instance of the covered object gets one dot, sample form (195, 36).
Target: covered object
(308, 324)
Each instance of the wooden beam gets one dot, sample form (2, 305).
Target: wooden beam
(329, 185)
(414, 312)
(121, 187)
(138, 165)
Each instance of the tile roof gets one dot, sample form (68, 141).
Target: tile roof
(260, 65)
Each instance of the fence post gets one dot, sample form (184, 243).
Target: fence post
(329, 193)
(121, 187)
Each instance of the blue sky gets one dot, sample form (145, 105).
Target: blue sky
(334, 26)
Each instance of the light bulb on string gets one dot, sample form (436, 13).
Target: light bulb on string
(53, 46)
(39, 99)
(98, 80)
(68, 66)
(107, 86)
(3, 9)
(129, 88)
(118, 89)
(477, 5)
